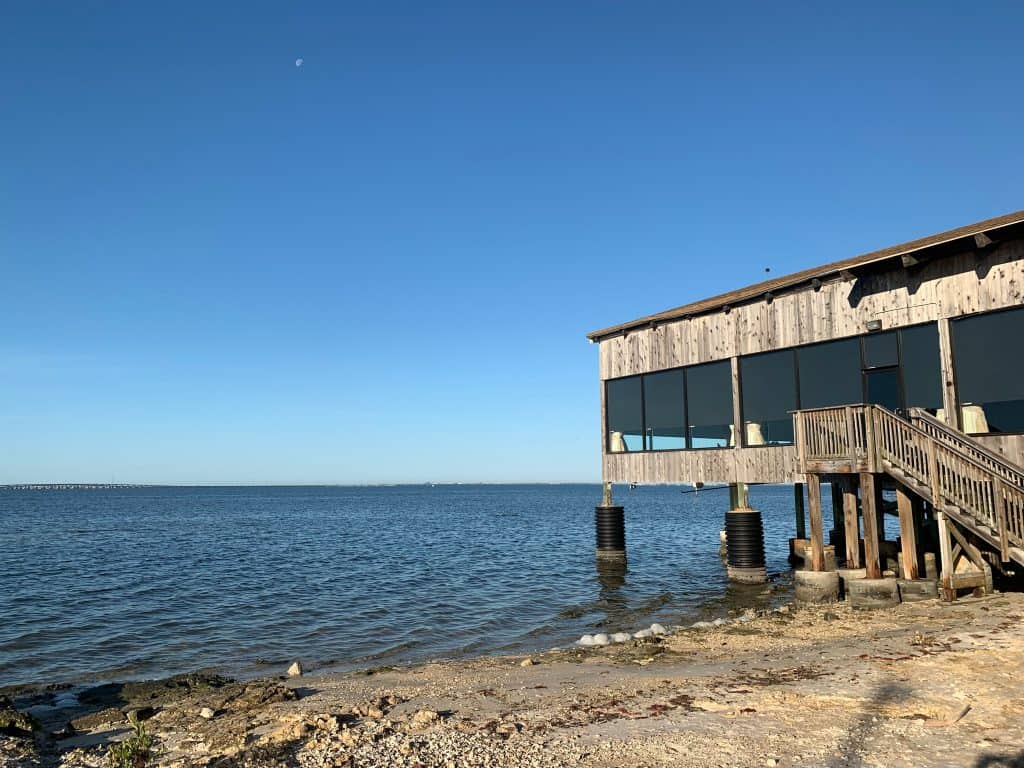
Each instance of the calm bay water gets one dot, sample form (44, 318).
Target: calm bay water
(131, 583)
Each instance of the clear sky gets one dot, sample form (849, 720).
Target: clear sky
(379, 266)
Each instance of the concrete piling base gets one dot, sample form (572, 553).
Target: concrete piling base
(873, 593)
(746, 575)
(850, 574)
(816, 586)
(610, 527)
(744, 541)
(913, 590)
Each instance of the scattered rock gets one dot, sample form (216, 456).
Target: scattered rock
(206, 713)
(658, 629)
(601, 639)
(586, 640)
(621, 637)
(643, 634)
(829, 616)
(295, 670)
(771, 762)
(424, 719)
(94, 720)
(15, 723)
(527, 662)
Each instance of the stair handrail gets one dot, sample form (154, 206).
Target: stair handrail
(1003, 510)
(997, 518)
(983, 453)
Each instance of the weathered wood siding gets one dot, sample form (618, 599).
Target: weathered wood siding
(770, 464)
(937, 290)
(945, 288)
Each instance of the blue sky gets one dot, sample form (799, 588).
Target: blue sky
(380, 266)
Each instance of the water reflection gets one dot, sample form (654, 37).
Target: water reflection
(611, 574)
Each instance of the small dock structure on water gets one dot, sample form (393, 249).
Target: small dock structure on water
(898, 371)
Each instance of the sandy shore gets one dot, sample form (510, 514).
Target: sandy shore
(923, 684)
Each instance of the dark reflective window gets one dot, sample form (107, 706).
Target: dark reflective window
(882, 387)
(880, 350)
(625, 415)
(663, 403)
(768, 384)
(830, 374)
(709, 404)
(922, 375)
(990, 371)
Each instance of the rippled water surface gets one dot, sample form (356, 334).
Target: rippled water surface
(116, 584)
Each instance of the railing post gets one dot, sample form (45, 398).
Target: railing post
(999, 502)
(933, 476)
(801, 445)
(851, 438)
(869, 438)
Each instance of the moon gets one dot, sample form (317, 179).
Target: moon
(299, 62)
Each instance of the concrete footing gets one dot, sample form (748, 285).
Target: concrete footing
(746, 575)
(873, 593)
(850, 574)
(816, 586)
(912, 590)
(800, 552)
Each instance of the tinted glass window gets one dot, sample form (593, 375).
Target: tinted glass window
(709, 404)
(625, 415)
(990, 371)
(922, 376)
(663, 400)
(768, 384)
(880, 350)
(830, 374)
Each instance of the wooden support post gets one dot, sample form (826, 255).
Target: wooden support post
(852, 525)
(908, 533)
(870, 492)
(946, 552)
(837, 506)
(814, 509)
(798, 508)
(739, 432)
(949, 393)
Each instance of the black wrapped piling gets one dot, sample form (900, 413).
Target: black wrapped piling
(744, 541)
(610, 526)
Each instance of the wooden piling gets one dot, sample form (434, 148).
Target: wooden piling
(851, 523)
(870, 498)
(908, 533)
(798, 508)
(817, 534)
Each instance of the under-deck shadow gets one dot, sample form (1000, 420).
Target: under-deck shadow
(852, 748)
(1000, 761)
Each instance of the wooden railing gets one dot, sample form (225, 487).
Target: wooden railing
(944, 433)
(948, 468)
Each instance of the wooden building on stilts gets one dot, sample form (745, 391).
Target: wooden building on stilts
(898, 370)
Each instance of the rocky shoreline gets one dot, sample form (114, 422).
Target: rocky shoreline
(922, 684)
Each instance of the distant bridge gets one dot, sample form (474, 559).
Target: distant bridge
(71, 486)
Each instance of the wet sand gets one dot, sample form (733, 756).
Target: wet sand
(923, 684)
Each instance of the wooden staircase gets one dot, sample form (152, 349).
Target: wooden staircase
(976, 494)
